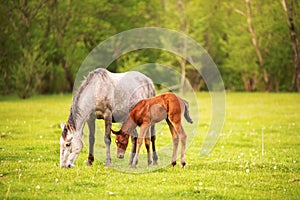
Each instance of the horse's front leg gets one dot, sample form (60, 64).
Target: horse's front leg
(91, 125)
(143, 131)
(107, 137)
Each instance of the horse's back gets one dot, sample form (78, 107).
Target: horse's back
(129, 89)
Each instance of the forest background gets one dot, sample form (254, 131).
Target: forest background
(255, 44)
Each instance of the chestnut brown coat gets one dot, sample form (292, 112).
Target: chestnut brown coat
(149, 111)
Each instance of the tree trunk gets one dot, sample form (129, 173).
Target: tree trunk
(256, 46)
(249, 83)
(182, 60)
(295, 45)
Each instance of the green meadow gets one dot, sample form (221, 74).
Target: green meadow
(257, 155)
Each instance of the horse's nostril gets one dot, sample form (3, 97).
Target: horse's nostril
(121, 156)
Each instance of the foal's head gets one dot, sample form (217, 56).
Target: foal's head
(121, 141)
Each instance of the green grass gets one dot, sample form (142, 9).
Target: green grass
(235, 169)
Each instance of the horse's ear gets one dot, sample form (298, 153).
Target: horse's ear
(116, 132)
(62, 126)
(68, 126)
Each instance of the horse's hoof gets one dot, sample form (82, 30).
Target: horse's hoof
(155, 163)
(149, 162)
(108, 165)
(108, 162)
(89, 163)
(155, 157)
(173, 163)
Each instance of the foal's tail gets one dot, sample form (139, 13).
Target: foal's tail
(186, 112)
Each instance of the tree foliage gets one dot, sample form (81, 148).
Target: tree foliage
(254, 43)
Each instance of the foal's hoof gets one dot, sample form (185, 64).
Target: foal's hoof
(182, 164)
(155, 163)
(134, 163)
(173, 163)
(149, 162)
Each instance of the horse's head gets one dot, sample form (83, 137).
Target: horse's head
(65, 144)
(121, 141)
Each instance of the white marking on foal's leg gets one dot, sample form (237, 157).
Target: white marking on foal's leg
(143, 131)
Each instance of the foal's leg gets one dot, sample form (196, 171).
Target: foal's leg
(175, 142)
(153, 138)
(143, 131)
(107, 138)
(91, 125)
(147, 144)
(183, 136)
(133, 149)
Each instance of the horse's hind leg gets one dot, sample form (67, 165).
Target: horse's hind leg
(91, 125)
(107, 138)
(153, 138)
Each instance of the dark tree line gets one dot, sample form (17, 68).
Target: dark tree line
(254, 43)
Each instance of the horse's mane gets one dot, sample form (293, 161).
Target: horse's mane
(74, 109)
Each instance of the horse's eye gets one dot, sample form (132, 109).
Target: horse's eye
(68, 144)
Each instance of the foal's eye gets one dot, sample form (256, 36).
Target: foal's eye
(68, 144)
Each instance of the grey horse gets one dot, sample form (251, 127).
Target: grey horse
(108, 96)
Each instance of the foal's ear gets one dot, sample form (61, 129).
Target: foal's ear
(62, 126)
(116, 132)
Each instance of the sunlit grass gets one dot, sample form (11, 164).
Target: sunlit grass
(239, 167)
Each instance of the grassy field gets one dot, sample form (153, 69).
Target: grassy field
(237, 168)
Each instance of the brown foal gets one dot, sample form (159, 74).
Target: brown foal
(149, 111)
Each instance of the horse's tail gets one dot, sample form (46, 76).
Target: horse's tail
(186, 112)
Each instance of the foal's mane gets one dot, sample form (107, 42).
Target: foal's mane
(74, 112)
